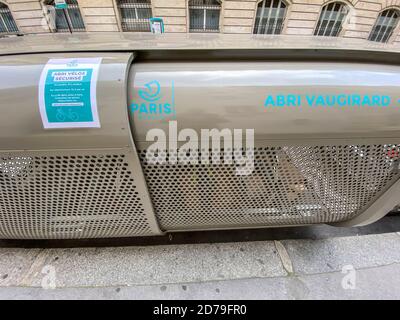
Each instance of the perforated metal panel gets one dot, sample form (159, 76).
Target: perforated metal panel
(290, 185)
(71, 195)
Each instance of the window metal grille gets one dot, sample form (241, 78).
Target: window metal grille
(331, 19)
(72, 13)
(270, 17)
(384, 26)
(135, 15)
(204, 15)
(7, 23)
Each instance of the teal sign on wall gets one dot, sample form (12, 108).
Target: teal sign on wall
(60, 4)
(157, 25)
(67, 93)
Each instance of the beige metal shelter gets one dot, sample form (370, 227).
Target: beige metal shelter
(334, 161)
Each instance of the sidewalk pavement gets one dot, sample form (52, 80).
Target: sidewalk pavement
(356, 267)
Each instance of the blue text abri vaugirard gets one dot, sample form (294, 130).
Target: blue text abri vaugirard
(321, 100)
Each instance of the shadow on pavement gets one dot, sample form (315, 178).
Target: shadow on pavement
(388, 224)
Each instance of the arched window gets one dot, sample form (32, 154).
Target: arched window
(135, 15)
(384, 26)
(270, 16)
(65, 20)
(7, 23)
(204, 15)
(331, 20)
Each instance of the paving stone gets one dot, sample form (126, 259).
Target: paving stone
(310, 257)
(162, 264)
(14, 264)
(370, 283)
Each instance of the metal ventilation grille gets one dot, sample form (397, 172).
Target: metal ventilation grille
(69, 196)
(290, 185)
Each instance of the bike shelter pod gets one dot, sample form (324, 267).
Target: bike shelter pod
(316, 160)
(320, 155)
(73, 182)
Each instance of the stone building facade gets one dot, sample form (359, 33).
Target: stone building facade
(300, 17)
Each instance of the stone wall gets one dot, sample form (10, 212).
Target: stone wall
(237, 16)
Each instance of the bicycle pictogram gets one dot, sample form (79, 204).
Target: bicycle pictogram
(62, 115)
